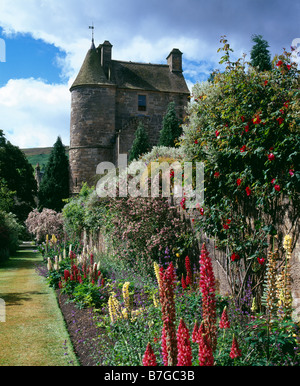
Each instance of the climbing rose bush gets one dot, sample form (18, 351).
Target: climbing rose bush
(244, 126)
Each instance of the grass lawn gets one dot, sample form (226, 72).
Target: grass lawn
(34, 332)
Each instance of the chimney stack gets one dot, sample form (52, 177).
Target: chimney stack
(105, 55)
(175, 60)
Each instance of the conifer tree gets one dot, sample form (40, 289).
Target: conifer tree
(140, 144)
(171, 129)
(17, 174)
(260, 55)
(54, 186)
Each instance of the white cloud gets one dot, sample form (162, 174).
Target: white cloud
(33, 113)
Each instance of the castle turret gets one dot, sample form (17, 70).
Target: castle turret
(92, 121)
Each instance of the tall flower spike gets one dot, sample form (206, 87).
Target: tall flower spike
(183, 282)
(224, 322)
(184, 356)
(235, 350)
(205, 355)
(114, 308)
(126, 297)
(156, 270)
(167, 288)
(207, 286)
(195, 332)
(188, 279)
(149, 358)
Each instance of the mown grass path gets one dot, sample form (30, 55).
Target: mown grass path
(34, 332)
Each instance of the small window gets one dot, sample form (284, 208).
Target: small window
(142, 103)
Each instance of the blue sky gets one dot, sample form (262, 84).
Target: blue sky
(46, 42)
(27, 57)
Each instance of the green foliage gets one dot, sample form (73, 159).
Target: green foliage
(85, 211)
(260, 55)
(6, 196)
(10, 231)
(87, 294)
(17, 173)
(140, 144)
(171, 129)
(54, 187)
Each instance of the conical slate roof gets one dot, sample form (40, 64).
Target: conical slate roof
(91, 72)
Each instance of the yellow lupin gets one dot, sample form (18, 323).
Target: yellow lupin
(114, 308)
(126, 297)
(156, 270)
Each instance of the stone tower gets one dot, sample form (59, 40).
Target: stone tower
(108, 100)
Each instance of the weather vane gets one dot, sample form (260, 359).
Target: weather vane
(92, 28)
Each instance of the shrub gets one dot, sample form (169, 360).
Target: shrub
(48, 222)
(10, 232)
(244, 127)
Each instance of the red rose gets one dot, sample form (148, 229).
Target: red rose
(279, 63)
(242, 118)
(280, 120)
(266, 82)
(238, 181)
(273, 181)
(196, 142)
(217, 133)
(271, 157)
(292, 172)
(261, 260)
(288, 66)
(248, 191)
(246, 128)
(235, 257)
(217, 175)
(256, 120)
(243, 149)
(277, 188)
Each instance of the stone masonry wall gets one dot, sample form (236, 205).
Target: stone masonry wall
(92, 132)
(128, 116)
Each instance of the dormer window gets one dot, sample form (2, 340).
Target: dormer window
(142, 103)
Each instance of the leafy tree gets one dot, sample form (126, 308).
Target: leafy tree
(18, 175)
(54, 187)
(260, 55)
(171, 129)
(6, 197)
(140, 144)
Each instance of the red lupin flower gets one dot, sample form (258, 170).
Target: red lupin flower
(195, 332)
(149, 358)
(183, 282)
(207, 286)
(184, 356)
(224, 322)
(205, 355)
(235, 351)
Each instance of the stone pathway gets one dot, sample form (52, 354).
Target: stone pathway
(34, 332)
